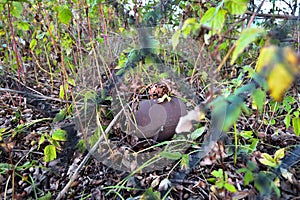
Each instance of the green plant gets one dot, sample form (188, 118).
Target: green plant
(249, 170)
(220, 180)
(54, 139)
(272, 161)
(263, 181)
(249, 137)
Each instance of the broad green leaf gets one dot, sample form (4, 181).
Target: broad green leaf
(253, 145)
(248, 36)
(23, 25)
(197, 133)
(49, 153)
(263, 183)
(17, 9)
(279, 154)
(248, 177)
(259, 97)
(189, 26)
(267, 160)
(296, 125)
(247, 134)
(208, 17)
(251, 165)
(60, 116)
(267, 156)
(218, 173)
(59, 135)
(175, 39)
(288, 101)
(236, 7)
(233, 112)
(214, 18)
(64, 14)
(32, 44)
(171, 155)
(268, 163)
(230, 187)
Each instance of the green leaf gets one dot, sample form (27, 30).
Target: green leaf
(2, 130)
(296, 125)
(247, 134)
(214, 18)
(253, 145)
(236, 7)
(296, 113)
(171, 155)
(49, 153)
(186, 27)
(259, 97)
(175, 39)
(248, 177)
(60, 135)
(267, 160)
(61, 92)
(287, 120)
(184, 163)
(46, 196)
(60, 116)
(279, 154)
(41, 140)
(230, 187)
(149, 194)
(276, 189)
(71, 81)
(232, 114)
(23, 25)
(197, 133)
(251, 165)
(217, 174)
(248, 36)
(32, 44)
(17, 9)
(64, 14)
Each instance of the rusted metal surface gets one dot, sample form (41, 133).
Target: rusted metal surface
(158, 121)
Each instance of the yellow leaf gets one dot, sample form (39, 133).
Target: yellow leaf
(280, 67)
(279, 80)
(291, 60)
(267, 55)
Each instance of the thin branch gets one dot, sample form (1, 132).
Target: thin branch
(277, 16)
(83, 162)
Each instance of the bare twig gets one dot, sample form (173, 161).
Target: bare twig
(289, 17)
(255, 13)
(83, 162)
